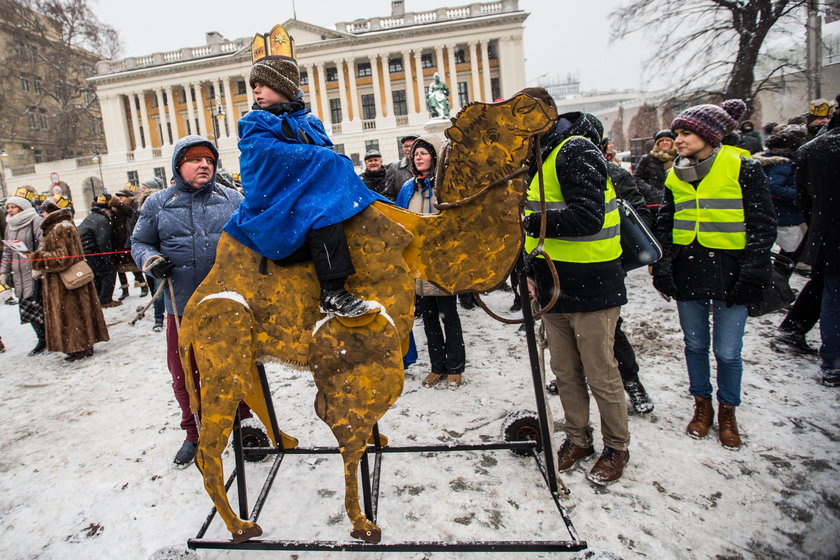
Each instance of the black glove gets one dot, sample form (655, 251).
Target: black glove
(745, 292)
(163, 269)
(531, 224)
(664, 284)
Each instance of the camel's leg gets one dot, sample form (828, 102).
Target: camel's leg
(222, 342)
(359, 375)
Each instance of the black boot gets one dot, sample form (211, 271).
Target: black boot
(144, 289)
(124, 293)
(42, 343)
(638, 397)
(342, 303)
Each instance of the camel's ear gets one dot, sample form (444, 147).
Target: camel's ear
(454, 133)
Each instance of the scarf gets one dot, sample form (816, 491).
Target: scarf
(280, 108)
(21, 219)
(691, 170)
(665, 156)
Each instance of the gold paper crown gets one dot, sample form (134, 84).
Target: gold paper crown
(60, 201)
(40, 197)
(130, 187)
(276, 42)
(821, 108)
(23, 192)
(102, 199)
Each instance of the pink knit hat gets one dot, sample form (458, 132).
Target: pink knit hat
(710, 122)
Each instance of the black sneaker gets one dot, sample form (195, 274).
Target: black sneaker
(517, 305)
(793, 341)
(831, 378)
(638, 397)
(186, 454)
(343, 303)
(158, 326)
(40, 347)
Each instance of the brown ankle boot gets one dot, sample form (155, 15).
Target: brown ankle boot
(698, 428)
(728, 427)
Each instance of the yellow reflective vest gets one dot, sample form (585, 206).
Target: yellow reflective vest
(713, 213)
(602, 247)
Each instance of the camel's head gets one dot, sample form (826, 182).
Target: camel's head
(493, 139)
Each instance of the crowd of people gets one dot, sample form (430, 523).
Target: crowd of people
(717, 194)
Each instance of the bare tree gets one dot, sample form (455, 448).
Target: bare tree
(51, 48)
(713, 46)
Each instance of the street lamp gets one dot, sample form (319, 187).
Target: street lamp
(98, 160)
(216, 126)
(3, 157)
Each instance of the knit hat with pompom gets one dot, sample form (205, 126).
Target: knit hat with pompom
(711, 122)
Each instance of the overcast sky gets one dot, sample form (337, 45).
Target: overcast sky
(561, 36)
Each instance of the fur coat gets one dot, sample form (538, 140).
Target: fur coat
(74, 320)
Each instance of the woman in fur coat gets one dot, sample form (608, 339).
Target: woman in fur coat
(74, 318)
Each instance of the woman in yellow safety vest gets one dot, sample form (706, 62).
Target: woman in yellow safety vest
(717, 226)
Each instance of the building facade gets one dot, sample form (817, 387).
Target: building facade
(366, 80)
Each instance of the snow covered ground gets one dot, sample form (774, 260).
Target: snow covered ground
(86, 451)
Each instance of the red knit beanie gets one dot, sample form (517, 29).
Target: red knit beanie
(197, 151)
(710, 122)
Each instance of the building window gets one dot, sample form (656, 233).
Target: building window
(368, 107)
(339, 148)
(42, 118)
(187, 123)
(460, 56)
(25, 84)
(495, 89)
(154, 101)
(30, 116)
(371, 145)
(395, 65)
(335, 110)
(242, 90)
(133, 178)
(160, 173)
(142, 136)
(181, 94)
(38, 155)
(211, 92)
(36, 85)
(332, 74)
(304, 78)
(463, 96)
(400, 106)
(363, 70)
(165, 100)
(426, 61)
(33, 54)
(492, 50)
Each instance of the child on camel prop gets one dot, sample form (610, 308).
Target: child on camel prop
(298, 191)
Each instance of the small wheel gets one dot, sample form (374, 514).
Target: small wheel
(523, 426)
(253, 437)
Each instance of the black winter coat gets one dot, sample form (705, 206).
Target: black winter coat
(582, 172)
(375, 181)
(703, 273)
(396, 174)
(650, 178)
(625, 187)
(751, 142)
(818, 190)
(95, 231)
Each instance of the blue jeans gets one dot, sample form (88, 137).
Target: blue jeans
(729, 323)
(158, 304)
(830, 326)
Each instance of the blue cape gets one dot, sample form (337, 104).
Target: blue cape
(290, 186)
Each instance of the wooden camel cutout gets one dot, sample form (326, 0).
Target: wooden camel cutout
(239, 315)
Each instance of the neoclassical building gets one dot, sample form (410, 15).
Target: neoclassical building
(365, 80)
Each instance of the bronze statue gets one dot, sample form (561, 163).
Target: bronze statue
(438, 99)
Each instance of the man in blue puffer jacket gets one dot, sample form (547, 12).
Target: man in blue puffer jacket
(175, 238)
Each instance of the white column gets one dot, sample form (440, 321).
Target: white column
(220, 122)
(135, 125)
(421, 80)
(189, 97)
(453, 79)
(164, 137)
(354, 97)
(115, 122)
(326, 118)
(342, 94)
(313, 91)
(409, 82)
(202, 123)
(439, 62)
(485, 70)
(389, 96)
(230, 117)
(147, 124)
(173, 118)
(377, 96)
(475, 89)
(249, 93)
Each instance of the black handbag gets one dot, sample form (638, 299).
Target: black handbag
(779, 294)
(639, 247)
